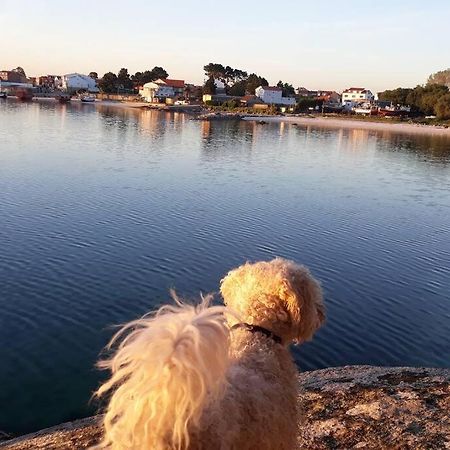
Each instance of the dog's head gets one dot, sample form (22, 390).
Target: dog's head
(279, 295)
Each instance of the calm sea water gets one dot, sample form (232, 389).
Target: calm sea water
(102, 210)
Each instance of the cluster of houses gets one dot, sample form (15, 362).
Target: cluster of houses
(358, 100)
(71, 82)
(176, 92)
(349, 100)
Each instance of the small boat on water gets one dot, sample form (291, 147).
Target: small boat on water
(394, 111)
(87, 98)
(365, 109)
(24, 94)
(63, 98)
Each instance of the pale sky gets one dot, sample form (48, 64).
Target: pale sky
(323, 44)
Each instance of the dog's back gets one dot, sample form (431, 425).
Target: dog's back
(258, 409)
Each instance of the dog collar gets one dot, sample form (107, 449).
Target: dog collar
(257, 329)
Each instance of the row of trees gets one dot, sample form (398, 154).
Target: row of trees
(111, 83)
(226, 74)
(238, 82)
(431, 99)
(235, 81)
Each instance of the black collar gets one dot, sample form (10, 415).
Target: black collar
(258, 329)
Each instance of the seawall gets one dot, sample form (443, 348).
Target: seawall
(352, 407)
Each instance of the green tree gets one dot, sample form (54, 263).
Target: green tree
(253, 81)
(93, 75)
(228, 76)
(108, 83)
(430, 97)
(397, 96)
(305, 103)
(239, 88)
(209, 87)
(233, 76)
(158, 72)
(123, 79)
(239, 75)
(442, 108)
(414, 98)
(20, 70)
(441, 77)
(216, 71)
(287, 89)
(147, 76)
(137, 78)
(140, 78)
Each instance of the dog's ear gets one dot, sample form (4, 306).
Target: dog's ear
(304, 301)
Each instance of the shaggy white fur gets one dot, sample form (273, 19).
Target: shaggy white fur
(183, 379)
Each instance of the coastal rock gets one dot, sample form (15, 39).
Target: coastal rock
(354, 407)
(79, 434)
(375, 408)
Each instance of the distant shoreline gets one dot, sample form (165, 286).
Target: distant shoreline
(332, 122)
(318, 121)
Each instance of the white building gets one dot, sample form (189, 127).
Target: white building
(273, 95)
(356, 95)
(160, 90)
(78, 82)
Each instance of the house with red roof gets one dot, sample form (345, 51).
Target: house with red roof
(162, 90)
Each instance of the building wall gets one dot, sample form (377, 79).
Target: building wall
(77, 81)
(274, 97)
(289, 101)
(357, 96)
(164, 91)
(152, 92)
(268, 96)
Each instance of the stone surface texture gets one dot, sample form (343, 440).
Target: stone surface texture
(354, 407)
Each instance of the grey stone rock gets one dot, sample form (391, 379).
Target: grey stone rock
(374, 408)
(354, 407)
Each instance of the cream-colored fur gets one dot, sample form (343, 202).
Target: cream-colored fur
(182, 379)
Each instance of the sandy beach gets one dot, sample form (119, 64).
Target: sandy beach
(332, 122)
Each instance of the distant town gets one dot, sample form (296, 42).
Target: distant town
(229, 89)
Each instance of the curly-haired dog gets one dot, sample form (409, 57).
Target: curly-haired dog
(214, 377)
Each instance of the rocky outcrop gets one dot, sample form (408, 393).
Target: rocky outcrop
(80, 434)
(364, 407)
(355, 407)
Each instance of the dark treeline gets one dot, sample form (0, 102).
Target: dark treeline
(236, 81)
(111, 83)
(431, 99)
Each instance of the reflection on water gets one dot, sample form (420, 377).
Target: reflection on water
(103, 209)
